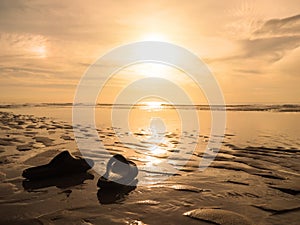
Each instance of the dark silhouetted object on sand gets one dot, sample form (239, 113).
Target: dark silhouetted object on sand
(118, 180)
(61, 165)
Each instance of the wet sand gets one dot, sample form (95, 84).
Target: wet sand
(244, 185)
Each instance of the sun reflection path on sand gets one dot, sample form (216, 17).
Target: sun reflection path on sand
(155, 139)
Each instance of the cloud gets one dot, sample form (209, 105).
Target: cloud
(259, 52)
(269, 43)
(289, 26)
(270, 49)
(16, 44)
(247, 71)
(273, 39)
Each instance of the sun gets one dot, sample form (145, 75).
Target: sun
(154, 105)
(154, 37)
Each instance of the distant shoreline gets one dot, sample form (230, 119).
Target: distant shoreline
(229, 107)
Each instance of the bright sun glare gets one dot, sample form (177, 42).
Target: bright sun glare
(154, 104)
(154, 70)
(154, 37)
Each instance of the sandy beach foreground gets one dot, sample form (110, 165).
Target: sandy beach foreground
(244, 185)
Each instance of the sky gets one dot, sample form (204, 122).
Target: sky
(251, 47)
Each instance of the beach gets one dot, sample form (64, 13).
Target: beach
(149, 112)
(255, 177)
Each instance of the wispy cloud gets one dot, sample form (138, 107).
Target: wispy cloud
(270, 49)
(289, 26)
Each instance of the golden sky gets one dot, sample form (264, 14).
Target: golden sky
(252, 47)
